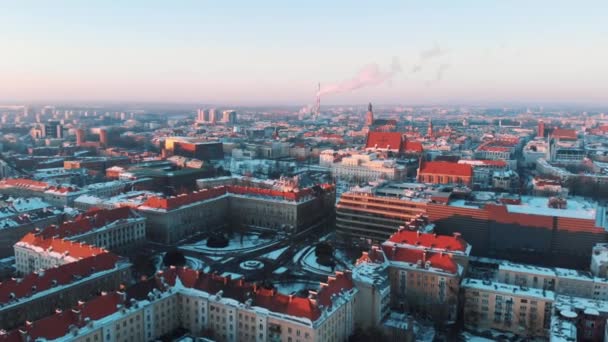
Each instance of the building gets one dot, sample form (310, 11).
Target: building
(20, 216)
(424, 279)
(440, 172)
(526, 229)
(229, 117)
(512, 308)
(369, 116)
(355, 166)
(39, 294)
(599, 260)
(205, 304)
(35, 252)
(119, 229)
(202, 150)
(371, 216)
(588, 316)
(53, 129)
(170, 219)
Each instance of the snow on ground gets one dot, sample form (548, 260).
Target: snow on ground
(280, 270)
(275, 254)
(309, 263)
(248, 242)
(295, 286)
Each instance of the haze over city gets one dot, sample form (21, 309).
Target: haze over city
(281, 171)
(275, 52)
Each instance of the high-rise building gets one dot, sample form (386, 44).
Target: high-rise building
(53, 129)
(369, 116)
(203, 116)
(229, 116)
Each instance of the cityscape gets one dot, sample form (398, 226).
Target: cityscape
(241, 172)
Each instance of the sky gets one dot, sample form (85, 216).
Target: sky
(276, 52)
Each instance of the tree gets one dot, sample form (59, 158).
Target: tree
(174, 258)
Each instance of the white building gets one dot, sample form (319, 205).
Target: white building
(35, 252)
(359, 166)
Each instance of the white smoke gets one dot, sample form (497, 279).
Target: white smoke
(369, 75)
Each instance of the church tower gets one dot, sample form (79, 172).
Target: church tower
(369, 116)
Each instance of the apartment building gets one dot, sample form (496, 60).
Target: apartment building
(118, 229)
(521, 310)
(423, 270)
(206, 305)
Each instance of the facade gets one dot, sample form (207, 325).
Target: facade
(118, 229)
(206, 305)
(20, 216)
(171, 219)
(526, 229)
(358, 166)
(369, 216)
(35, 252)
(37, 295)
(520, 310)
(424, 271)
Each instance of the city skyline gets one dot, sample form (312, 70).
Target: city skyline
(271, 53)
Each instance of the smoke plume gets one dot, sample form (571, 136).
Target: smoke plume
(369, 75)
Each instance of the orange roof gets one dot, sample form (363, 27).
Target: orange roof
(75, 250)
(413, 146)
(442, 261)
(561, 133)
(267, 298)
(446, 168)
(385, 140)
(443, 242)
(25, 183)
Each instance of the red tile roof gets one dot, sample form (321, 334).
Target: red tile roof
(385, 140)
(446, 168)
(62, 275)
(442, 261)
(25, 183)
(75, 250)
(92, 219)
(260, 296)
(413, 146)
(59, 324)
(433, 241)
(561, 133)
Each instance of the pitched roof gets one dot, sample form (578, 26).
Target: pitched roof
(15, 289)
(69, 249)
(385, 140)
(446, 168)
(267, 298)
(433, 241)
(442, 261)
(92, 219)
(413, 146)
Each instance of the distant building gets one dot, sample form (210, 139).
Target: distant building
(369, 116)
(358, 167)
(439, 172)
(229, 117)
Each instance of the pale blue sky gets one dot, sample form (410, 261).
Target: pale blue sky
(275, 52)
